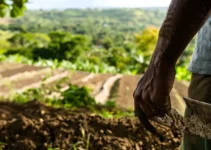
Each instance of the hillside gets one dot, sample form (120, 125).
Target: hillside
(34, 125)
(68, 76)
(82, 20)
(17, 78)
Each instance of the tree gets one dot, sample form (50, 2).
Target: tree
(63, 46)
(145, 44)
(16, 7)
(29, 40)
(118, 57)
(146, 41)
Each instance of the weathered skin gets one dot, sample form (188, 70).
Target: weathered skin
(184, 19)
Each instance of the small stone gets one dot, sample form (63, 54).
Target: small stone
(46, 144)
(42, 112)
(59, 117)
(45, 133)
(101, 131)
(140, 143)
(137, 147)
(41, 120)
(3, 115)
(146, 139)
(176, 140)
(109, 131)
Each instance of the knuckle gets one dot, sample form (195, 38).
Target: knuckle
(136, 94)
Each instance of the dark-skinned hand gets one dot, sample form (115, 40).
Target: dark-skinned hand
(151, 96)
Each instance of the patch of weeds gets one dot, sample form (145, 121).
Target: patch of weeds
(110, 103)
(73, 97)
(50, 148)
(115, 113)
(106, 114)
(76, 96)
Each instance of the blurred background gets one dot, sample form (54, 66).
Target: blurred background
(84, 57)
(102, 36)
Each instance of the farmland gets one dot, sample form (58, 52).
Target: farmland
(68, 76)
(62, 126)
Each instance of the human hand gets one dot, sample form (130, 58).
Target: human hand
(151, 96)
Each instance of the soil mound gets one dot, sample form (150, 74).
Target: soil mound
(35, 126)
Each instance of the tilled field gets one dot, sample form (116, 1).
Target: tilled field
(34, 126)
(18, 78)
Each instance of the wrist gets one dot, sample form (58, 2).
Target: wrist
(161, 60)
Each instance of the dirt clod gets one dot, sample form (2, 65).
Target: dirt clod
(26, 127)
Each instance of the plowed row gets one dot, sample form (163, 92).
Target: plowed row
(18, 77)
(34, 126)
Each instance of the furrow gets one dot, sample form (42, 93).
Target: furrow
(9, 73)
(24, 75)
(127, 85)
(9, 66)
(57, 76)
(104, 94)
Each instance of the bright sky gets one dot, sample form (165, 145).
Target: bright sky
(62, 4)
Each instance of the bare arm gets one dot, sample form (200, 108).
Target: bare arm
(184, 18)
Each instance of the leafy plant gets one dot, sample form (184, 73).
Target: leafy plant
(16, 8)
(76, 96)
(73, 97)
(182, 73)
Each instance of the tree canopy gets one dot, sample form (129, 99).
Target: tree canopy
(15, 8)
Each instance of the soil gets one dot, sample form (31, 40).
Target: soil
(9, 73)
(35, 126)
(21, 83)
(125, 91)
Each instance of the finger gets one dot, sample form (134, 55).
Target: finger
(151, 109)
(143, 119)
(148, 106)
(164, 107)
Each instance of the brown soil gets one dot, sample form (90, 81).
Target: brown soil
(21, 83)
(36, 126)
(9, 73)
(126, 88)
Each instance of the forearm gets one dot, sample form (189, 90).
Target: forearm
(184, 18)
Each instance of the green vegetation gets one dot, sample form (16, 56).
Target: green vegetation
(15, 7)
(72, 97)
(93, 40)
